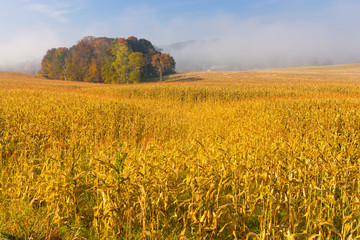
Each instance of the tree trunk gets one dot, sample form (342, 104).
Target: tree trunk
(161, 78)
(65, 73)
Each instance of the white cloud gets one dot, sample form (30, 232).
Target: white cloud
(58, 10)
(55, 11)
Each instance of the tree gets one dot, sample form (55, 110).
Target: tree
(136, 62)
(61, 54)
(93, 73)
(47, 63)
(80, 59)
(107, 60)
(108, 73)
(102, 52)
(53, 64)
(162, 62)
(121, 64)
(148, 50)
(134, 44)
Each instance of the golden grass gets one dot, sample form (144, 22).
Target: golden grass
(234, 155)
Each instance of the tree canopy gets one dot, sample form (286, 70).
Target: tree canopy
(108, 60)
(163, 63)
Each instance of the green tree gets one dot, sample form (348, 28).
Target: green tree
(108, 73)
(136, 62)
(121, 64)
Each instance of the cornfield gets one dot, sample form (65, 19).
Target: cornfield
(235, 155)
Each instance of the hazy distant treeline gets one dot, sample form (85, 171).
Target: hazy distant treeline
(109, 60)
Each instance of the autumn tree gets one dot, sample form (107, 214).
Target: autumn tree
(61, 55)
(106, 60)
(47, 63)
(108, 73)
(134, 44)
(103, 55)
(136, 62)
(163, 63)
(121, 64)
(80, 59)
(148, 51)
(53, 64)
(93, 72)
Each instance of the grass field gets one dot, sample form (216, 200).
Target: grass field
(226, 155)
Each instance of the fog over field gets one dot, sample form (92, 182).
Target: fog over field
(328, 37)
(264, 34)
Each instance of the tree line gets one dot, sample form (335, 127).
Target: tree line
(107, 60)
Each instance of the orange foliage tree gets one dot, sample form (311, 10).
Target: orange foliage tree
(162, 62)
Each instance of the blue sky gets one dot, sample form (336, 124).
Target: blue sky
(251, 33)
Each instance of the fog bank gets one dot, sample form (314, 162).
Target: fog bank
(275, 45)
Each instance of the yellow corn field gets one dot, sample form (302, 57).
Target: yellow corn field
(234, 155)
